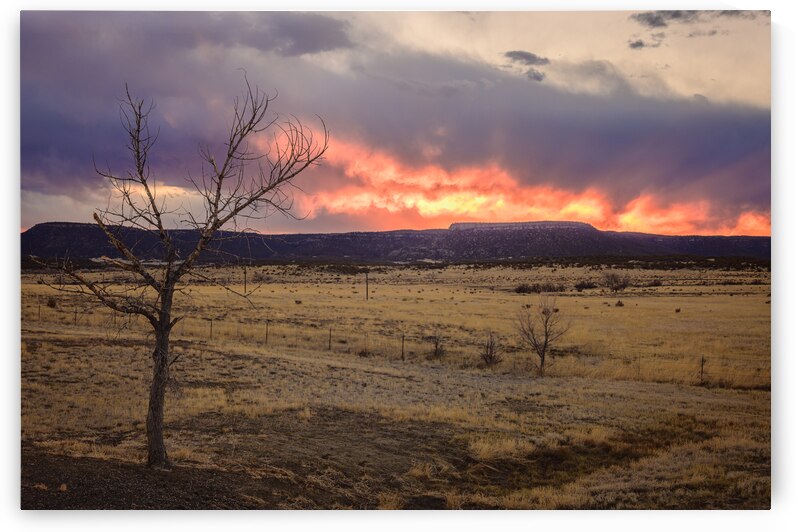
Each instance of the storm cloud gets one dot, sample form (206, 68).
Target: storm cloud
(426, 125)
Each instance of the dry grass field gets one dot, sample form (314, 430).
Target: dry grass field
(311, 396)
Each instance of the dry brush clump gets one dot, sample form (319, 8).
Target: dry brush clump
(616, 282)
(539, 288)
(585, 285)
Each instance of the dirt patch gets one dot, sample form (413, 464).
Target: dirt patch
(352, 454)
(330, 459)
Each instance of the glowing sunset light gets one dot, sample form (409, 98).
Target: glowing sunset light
(750, 223)
(643, 214)
(380, 185)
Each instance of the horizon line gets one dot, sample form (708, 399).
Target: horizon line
(255, 231)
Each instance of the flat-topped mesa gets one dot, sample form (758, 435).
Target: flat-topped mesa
(461, 243)
(487, 226)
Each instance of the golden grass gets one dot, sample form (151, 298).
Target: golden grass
(644, 340)
(500, 448)
(429, 470)
(128, 452)
(622, 375)
(546, 497)
(390, 501)
(584, 435)
(249, 403)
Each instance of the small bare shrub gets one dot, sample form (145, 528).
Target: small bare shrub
(540, 327)
(52, 302)
(619, 303)
(437, 348)
(491, 352)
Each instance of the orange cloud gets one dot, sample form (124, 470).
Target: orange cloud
(752, 223)
(644, 215)
(390, 193)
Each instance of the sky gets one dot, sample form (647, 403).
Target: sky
(652, 121)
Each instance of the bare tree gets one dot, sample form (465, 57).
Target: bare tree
(541, 326)
(236, 183)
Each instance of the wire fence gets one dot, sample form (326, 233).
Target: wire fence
(408, 345)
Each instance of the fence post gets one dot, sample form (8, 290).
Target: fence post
(403, 347)
(701, 375)
(367, 286)
(211, 328)
(329, 338)
(75, 314)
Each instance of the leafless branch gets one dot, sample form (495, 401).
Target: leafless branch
(541, 326)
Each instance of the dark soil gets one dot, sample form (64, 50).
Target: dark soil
(337, 459)
(65, 483)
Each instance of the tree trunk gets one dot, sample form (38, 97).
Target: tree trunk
(156, 447)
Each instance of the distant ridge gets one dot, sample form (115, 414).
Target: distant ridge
(462, 242)
(489, 226)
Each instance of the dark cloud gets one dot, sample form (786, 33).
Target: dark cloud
(71, 115)
(74, 66)
(149, 33)
(535, 75)
(639, 44)
(306, 33)
(702, 33)
(529, 59)
(661, 19)
(526, 58)
(734, 13)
